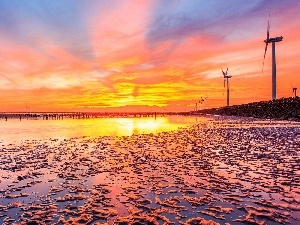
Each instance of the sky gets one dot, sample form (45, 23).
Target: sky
(143, 55)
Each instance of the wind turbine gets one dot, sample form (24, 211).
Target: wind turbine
(295, 91)
(202, 100)
(273, 41)
(226, 77)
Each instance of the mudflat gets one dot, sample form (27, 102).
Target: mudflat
(233, 171)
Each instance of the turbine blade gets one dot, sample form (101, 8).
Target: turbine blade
(223, 72)
(267, 42)
(268, 29)
(224, 82)
(266, 48)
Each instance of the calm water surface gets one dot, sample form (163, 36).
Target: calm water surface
(14, 130)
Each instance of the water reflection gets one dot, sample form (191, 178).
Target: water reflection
(14, 130)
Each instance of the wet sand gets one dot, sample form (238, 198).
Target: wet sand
(217, 172)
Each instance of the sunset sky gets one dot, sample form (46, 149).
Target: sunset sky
(143, 55)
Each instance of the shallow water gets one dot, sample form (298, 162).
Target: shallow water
(15, 130)
(223, 170)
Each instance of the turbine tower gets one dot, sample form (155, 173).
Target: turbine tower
(273, 41)
(295, 91)
(226, 77)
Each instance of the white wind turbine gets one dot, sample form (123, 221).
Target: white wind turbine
(273, 41)
(226, 77)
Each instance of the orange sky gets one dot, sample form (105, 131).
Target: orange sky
(143, 55)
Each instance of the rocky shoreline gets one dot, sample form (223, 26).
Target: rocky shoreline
(279, 109)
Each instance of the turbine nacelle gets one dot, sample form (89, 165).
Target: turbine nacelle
(276, 39)
(225, 74)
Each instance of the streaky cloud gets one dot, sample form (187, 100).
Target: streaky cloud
(179, 19)
(61, 22)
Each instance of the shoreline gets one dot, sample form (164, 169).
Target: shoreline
(279, 109)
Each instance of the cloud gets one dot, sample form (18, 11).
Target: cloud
(179, 19)
(142, 52)
(63, 23)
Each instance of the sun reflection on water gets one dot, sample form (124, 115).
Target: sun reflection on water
(16, 130)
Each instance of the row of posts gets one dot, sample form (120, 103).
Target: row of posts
(61, 116)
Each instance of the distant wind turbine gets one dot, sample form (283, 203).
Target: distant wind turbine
(226, 77)
(201, 101)
(295, 91)
(273, 41)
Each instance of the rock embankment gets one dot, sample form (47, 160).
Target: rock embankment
(281, 109)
